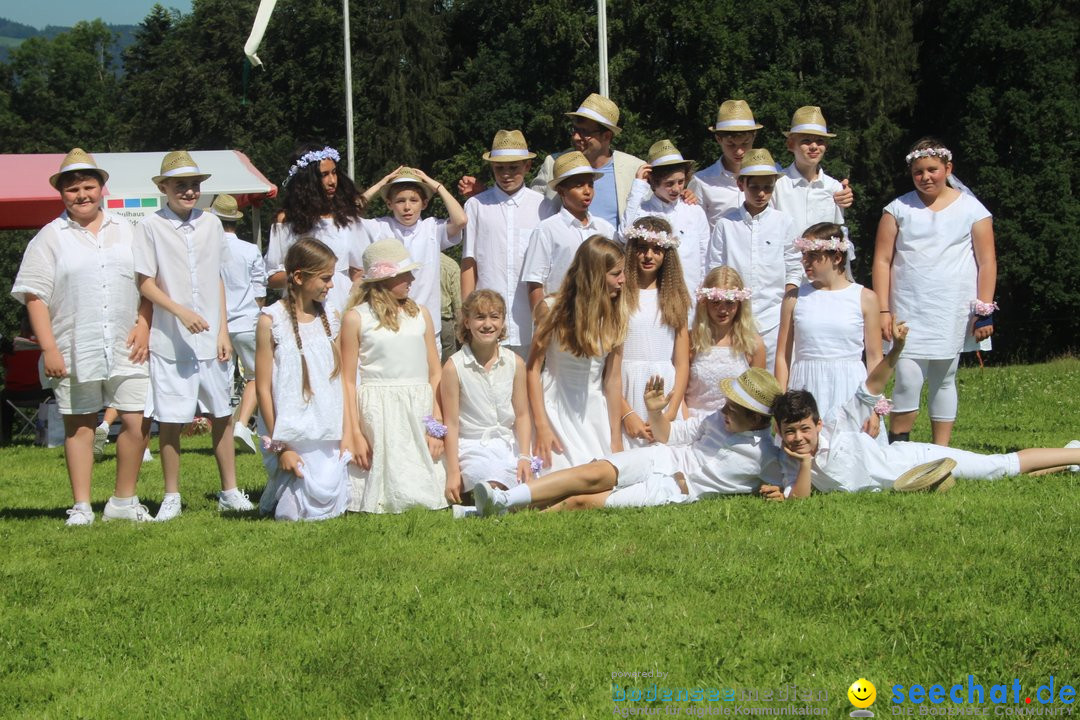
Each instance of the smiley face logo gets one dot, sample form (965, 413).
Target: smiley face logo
(862, 693)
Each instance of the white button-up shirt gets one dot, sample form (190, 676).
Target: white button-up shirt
(720, 462)
(496, 237)
(717, 190)
(762, 248)
(687, 221)
(88, 284)
(807, 202)
(244, 274)
(184, 258)
(553, 245)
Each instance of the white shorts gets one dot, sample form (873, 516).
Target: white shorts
(179, 389)
(126, 394)
(646, 478)
(243, 345)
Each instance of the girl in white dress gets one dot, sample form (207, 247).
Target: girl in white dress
(318, 202)
(935, 267)
(723, 339)
(827, 324)
(574, 373)
(392, 417)
(485, 404)
(657, 338)
(298, 384)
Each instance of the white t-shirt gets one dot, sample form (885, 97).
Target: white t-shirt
(717, 190)
(553, 245)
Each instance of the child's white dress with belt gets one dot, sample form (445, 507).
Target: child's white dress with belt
(311, 427)
(395, 395)
(487, 447)
(646, 352)
(826, 358)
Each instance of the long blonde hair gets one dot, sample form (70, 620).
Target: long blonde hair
(703, 335)
(308, 257)
(584, 319)
(671, 295)
(384, 305)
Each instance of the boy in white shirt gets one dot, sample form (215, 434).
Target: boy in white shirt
(716, 186)
(178, 256)
(500, 222)
(804, 191)
(407, 192)
(728, 452)
(556, 239)
(759, 242)
(244, 274)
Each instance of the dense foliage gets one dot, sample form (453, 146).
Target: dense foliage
(433, 81)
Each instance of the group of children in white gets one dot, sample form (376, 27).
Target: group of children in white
(618, 319)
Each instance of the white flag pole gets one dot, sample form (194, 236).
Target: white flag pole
(348, 93)
(601, 33)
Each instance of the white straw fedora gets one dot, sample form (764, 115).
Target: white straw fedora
(386, 258)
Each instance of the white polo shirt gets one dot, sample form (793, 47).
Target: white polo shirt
(720, 462)
(687, 221)
(496, 237)
(244, 274)
(553, 245)
(184, 258)
(717, 190)
(807, 202)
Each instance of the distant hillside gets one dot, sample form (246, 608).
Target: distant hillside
(13, 33)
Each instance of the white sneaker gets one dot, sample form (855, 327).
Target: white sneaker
(463, 511)
(244, 435)
(146, 456)
(134, 513)
(101, 436)
(1073, 445)
(235, 500)
(489, 501)
(78, 516)
(170, 508)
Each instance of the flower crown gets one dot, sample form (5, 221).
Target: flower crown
(656, 237)
(720, 294)
(829, 244)
(940, 152)
(313, 156)
(382, 270)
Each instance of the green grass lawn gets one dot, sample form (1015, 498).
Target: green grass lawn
(419, 615)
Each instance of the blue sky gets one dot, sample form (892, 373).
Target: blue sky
(69, 12)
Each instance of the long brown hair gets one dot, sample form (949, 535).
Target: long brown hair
(671, 294)
(584, 319)
(703, 335)
(308, 257)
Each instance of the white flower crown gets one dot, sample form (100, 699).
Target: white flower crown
(940, 152)
(805, 244)
(314, 156)
(720, 294)
(656, 237)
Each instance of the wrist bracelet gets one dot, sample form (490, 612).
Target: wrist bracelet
(982, 321)
(623, 418)
(275, 446)
(435, 428)
(885, 311)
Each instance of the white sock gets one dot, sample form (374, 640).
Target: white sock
(104, 426)
(169, 496)
(123, 502)
(230, 493)
(84, 506)
(519, 495)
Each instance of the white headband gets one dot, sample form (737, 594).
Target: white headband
(511, 151)
(746, 401)
(186, 170)
(758, 168)
(747, 124)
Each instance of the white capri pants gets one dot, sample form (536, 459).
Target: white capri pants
(940, 377)
(969, 465)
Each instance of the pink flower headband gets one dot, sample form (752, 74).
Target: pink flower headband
(656, 237)
(829, 244)
(721, 294)
(943, 153)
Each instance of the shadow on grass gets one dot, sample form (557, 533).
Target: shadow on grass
(35, 513)
(251, 515)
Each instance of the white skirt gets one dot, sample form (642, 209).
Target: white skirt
(323, 491)
(831, 382)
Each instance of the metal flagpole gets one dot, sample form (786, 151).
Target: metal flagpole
(348, 92)
(601, 32)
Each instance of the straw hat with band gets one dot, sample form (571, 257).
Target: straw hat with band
(225, 207)
(808, 120)
(406, 175)
(758, 162)
(756, 390)
(78, 159)
(570, 165)
(601, 110)
(508, 146)
(385, 259)
(935, 476)
(664, 153)
(178, 164)
(734, 116)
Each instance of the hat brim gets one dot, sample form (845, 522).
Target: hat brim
(201, 177)
(486, 157)
(225, 216)
(671, 163)
(401, 271)
(613, 128)
(931, 476)
(727, 387)
(737, 129)
(789, 133)
(384, 191)
(554, 182)
(55, 177)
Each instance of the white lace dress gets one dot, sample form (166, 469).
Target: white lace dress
(311, 428)
(395, 395)
(707, 369)
(647, 351)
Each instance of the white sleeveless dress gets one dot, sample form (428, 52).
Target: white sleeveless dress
(707, 369)
(347, 243)
(487, 447)
(311, 428)
(395, 396)
(647, 351)
(826, 357)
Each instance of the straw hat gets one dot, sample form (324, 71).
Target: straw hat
(599, 109)
(178, 164)
(665, 153)
(808, 120)
(225, 207)
(756, 390)
(386, 258)
(406, 175)
(734, 116)
(758, 162)
(931, 476)
(508, 146)
(571, 164)
(78, 159)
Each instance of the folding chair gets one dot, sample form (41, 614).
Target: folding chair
(22, 393)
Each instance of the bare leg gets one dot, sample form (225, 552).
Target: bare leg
(224, 452)
(247, 404)
(591, 501)
(1035, 459)
(599, 476)
(130, 443)
(110, 415)
(79, 453)
(902, 422)
(169, 449)
(941, 431)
